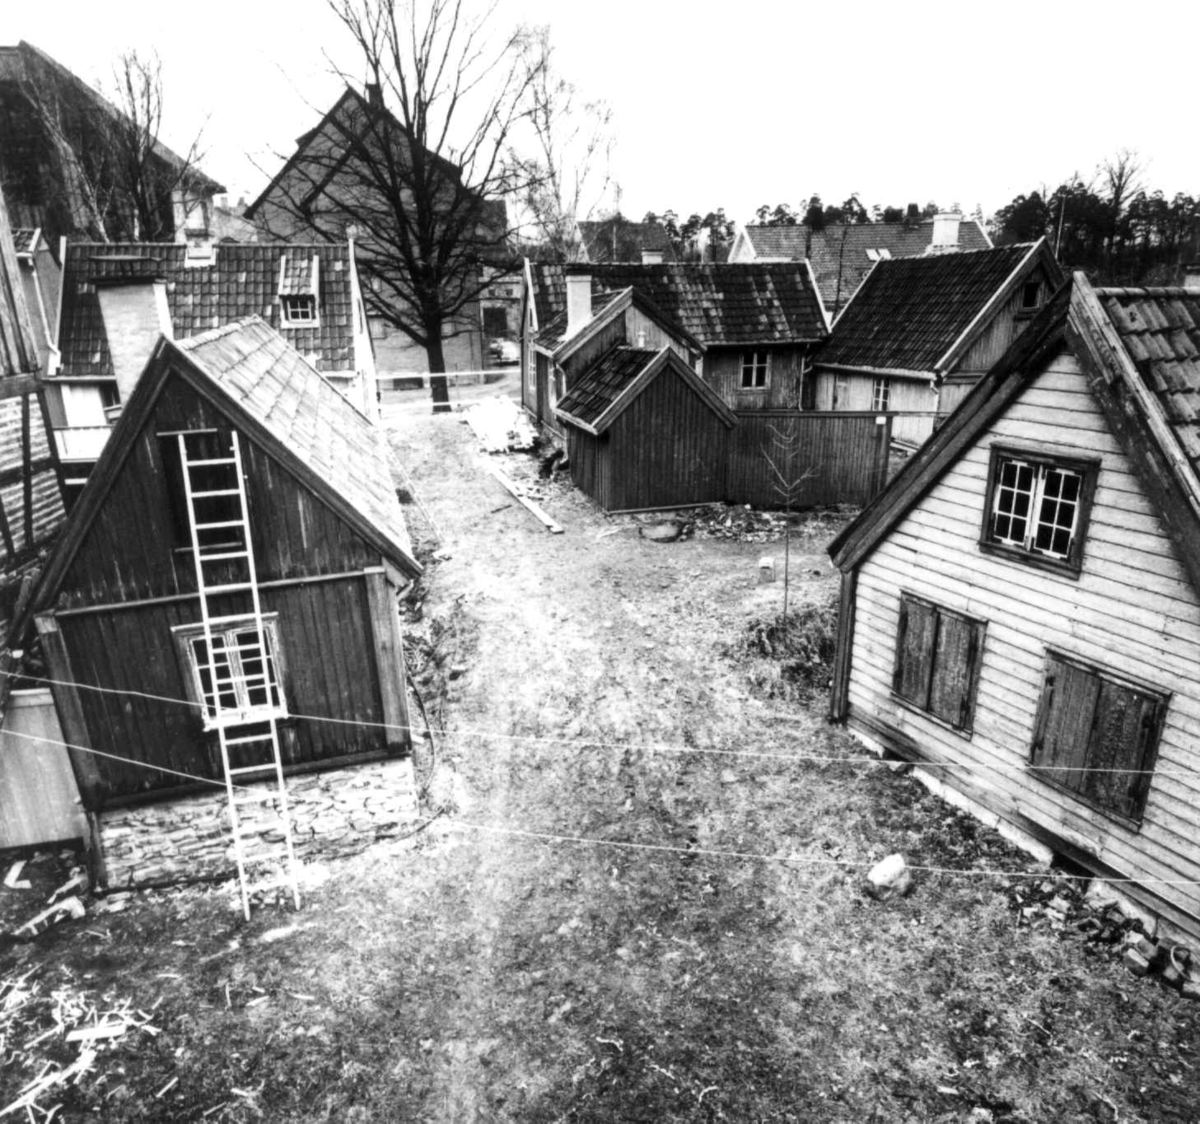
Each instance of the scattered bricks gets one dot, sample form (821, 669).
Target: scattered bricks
(1190, 989)
(1156, 955)
(1090, 927)
(1059, 904)
(1173, 977)
(1136, 962)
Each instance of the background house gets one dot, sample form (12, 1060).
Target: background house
(329, 188)
(117, 299)
(617, 239)
(119, 611)
(755, 325)
(66, 155)
(920, 332)
(842, 254)
(1021, 607)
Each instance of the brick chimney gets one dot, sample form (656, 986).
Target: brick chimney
(945, 230)
(135, 315)
(1191, 275)
(374, 94)
(652, 257)
(579, 301)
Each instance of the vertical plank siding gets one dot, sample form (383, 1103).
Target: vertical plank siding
(38, 795)
(130, 554)
(723, 372)
(329, 670)
(1131, 610)
(845, 453)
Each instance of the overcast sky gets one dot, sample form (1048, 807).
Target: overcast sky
(733, 105)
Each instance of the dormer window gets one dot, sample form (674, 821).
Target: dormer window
(299, 286)
(299, 310)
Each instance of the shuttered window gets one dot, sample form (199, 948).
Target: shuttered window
(937, 660)
(1097, 736)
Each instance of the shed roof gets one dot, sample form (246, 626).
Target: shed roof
(242, 281)
(25, 239)
(277, 400)
(18, 352)
(910, 312)
(608, 386)
(720, 305)
(842, 248)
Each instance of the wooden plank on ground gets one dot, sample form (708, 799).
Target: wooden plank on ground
(515, 490)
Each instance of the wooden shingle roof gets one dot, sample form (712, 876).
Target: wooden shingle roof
(720, 305)
(843, 248)
(910, 312)
(243, 281)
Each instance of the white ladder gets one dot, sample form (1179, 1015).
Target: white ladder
(243, 707)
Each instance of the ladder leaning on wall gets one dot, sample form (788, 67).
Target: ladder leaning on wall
(238, 684)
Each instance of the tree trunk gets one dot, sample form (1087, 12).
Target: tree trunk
(439, 388)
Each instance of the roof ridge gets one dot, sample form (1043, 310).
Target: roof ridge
(189, 343)
(1147, 290)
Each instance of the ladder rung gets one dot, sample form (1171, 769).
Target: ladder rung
(258, 797)
(283, 883)
(211, 461)
(222, 524)
(224, 555)
(243, 769)
(211, 494)
(231, 617)
(248, 740)
(228, 587)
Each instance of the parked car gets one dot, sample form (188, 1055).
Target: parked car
(504, 351)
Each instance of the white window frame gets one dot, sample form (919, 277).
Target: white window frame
(186, 636)
(756, 363)
(290, 305)
(881, 394)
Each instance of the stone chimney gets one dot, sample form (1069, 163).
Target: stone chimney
(374, 94)
(1191, 275)
(579, 301)
(652, 257)
(945, 230)
(135, 315)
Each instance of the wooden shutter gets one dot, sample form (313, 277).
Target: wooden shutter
(1124, 735)
(1064, 723)
(915, 645)
(954, 669)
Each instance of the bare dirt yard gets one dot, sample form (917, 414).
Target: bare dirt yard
(639, 896)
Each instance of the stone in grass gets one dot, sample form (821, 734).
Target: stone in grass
(667, 531)
(889, 878)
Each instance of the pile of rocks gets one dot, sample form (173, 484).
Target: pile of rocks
(1110, 924)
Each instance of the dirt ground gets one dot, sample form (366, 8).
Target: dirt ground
(637, 897)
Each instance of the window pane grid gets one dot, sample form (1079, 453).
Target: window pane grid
(237, 680)
(754, 370)
(1036, 507)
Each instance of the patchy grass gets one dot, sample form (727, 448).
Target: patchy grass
(790, 657)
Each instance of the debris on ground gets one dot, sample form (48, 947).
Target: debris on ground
(500, 424)
(13, 879)
(790, 658)
(519, 492)
(36, 1021)
(70, 907)
(665, 531)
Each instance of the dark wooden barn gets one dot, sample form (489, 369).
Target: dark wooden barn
(643, 430)
(118, 608)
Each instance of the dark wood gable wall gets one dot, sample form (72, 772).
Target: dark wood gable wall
(127, 588)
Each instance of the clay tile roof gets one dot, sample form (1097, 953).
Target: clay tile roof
(297, 274)
(602, 383)
(23, 239)
(555, 330)
(721, 305)
(843, 248)
(259, 369)
(242, 281)
(910, 311)
(1160, 329)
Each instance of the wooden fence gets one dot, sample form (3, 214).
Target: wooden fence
(843, 453)
(39, 800)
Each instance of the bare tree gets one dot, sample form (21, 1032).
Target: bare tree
(418, 167)
(112, 177)
(788, 481)
(1122, 174)
(566, 166)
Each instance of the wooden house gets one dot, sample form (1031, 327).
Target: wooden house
(920, 332)
(842, 254)
(118, 610)
(618, 239)
(1020, 607)
(118, 299)
(751, 327)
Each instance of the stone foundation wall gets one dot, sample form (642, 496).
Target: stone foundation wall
(334, 813)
